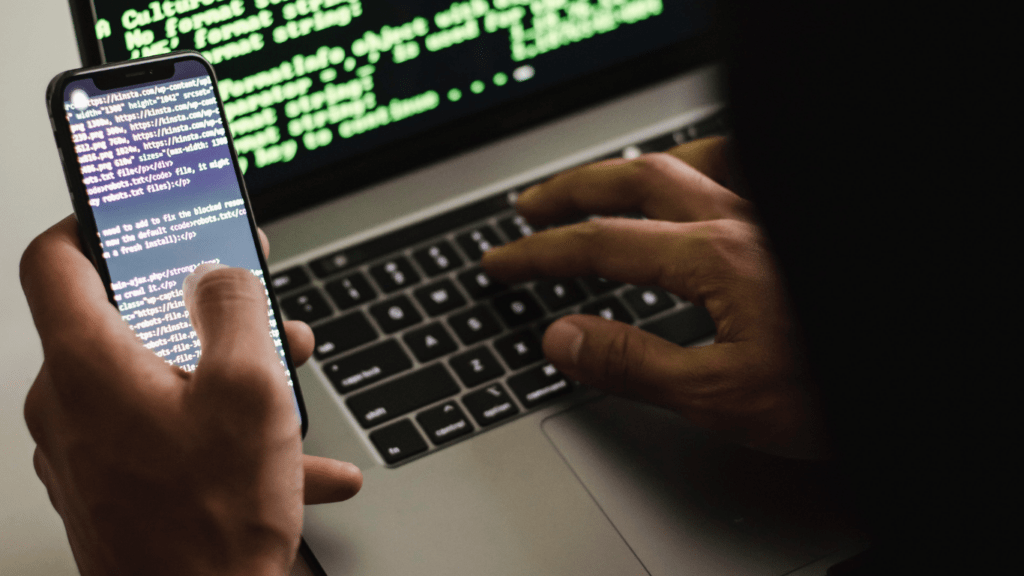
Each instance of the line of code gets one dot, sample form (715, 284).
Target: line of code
(299, 76)
(165, 197)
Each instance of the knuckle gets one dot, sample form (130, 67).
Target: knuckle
(728, 256)
(592, 229)
(590, 235)
(622, 357)
(653, 166)
(719, 240)
(738, 206)
(595, 241)
(247, 385)
(30, 258)
(37, 463)
(33, 412)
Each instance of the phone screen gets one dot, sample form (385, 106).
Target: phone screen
(162, 187)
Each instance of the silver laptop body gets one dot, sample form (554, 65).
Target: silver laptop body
(586, 484)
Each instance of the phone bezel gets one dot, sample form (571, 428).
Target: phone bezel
(88, 231)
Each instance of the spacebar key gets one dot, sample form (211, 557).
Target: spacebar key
(402, 395)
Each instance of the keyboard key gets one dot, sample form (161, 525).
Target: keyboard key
(391, 242)
(539, 384)
(648, 301)
(394, 274)
(718, 123)
(478, 284)
(598, 286)
(439, 297)
(558, 294)
(476, 366)
(343, 334)
(474, 325)
(444, 423)
(398, 441)
(367, 366)
(609, 308)
(683, 327)
(519, 349)
(517, 308)
(515, 227)
(541, 327)
(402, 395)
(490, 405)
(330, 264)
(429, 342)
(477, 241)
(438, 258)
(659, 144)
(630, 152)
(351, 291)
(395, 314)
(308, 306)
(289, 279)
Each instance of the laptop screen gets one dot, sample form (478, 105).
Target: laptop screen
(326, 95)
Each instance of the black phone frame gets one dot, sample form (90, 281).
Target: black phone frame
(115, 76)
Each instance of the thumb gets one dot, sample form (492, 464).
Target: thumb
(228, 310)
(626, 361)
(329, 480)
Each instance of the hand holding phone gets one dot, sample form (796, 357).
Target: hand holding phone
(155, 469)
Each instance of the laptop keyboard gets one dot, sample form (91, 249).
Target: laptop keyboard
(426, 348)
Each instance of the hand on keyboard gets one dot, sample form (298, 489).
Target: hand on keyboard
(700, 243)
(159, 471)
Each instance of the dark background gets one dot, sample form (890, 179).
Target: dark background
(864, 134)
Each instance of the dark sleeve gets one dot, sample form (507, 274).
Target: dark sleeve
(845, 139)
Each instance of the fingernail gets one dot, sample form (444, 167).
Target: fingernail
(188, 285)
(490, 253)
(564, 340)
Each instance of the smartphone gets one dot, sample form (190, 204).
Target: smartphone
(157, 190)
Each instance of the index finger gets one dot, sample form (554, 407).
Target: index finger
(706, 155)
(69, 303)
(660, 185)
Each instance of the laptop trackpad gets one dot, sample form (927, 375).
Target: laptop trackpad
(688, 503)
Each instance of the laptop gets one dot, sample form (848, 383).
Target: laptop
(384, 144)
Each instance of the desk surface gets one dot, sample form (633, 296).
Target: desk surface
(37, 41)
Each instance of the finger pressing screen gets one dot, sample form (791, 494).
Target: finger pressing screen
(228, 309)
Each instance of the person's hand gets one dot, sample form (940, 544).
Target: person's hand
(699, 242)
(159, 471)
